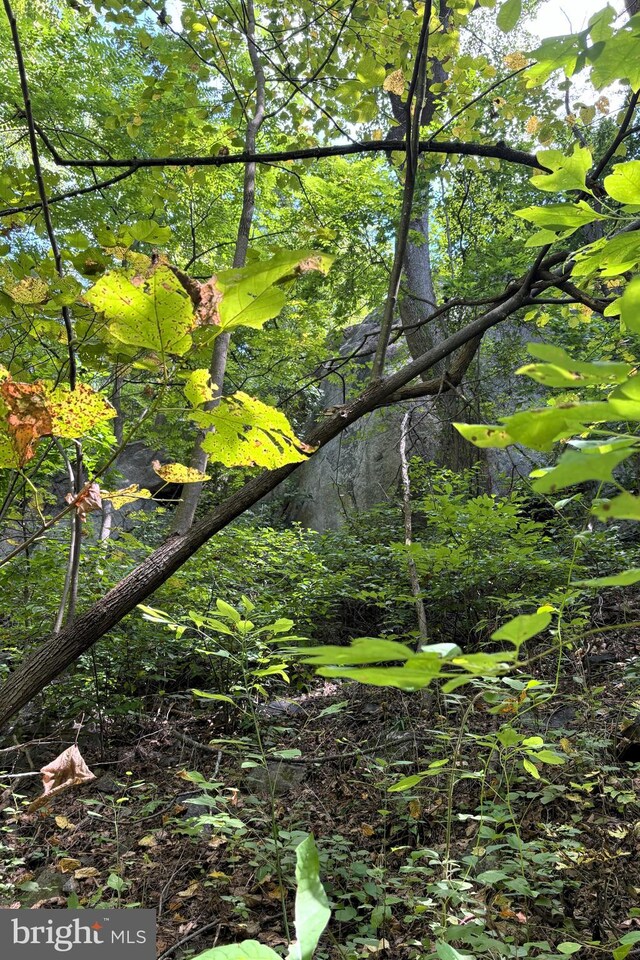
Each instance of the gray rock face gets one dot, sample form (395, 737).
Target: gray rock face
(361, 468)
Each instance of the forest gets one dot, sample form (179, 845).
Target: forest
(319, 493)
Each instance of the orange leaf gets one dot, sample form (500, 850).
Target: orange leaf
(28, 418)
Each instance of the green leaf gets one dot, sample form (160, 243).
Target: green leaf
(522, 628)
(402, 678)
(247, 950)
(406, 783)
(249, 297)
(623, 183)
(492, 876)
(446, 952)
(540, 428)
(248, 433)
(155, 312)
(568, 173)
(211, 696)
(631, 938)
(567, 947)
(370, 73)
(624, 579)
(146, 231)
(555, 53)
(561, 218)
(623, 507)
(617, 58)
(226, 610)
(621, 952)
(484, 436)
(531, 768)
(608, 258)
(548, 756)
(508, 737)
(198, 388)
(578, 466)
(509, 14)
(533, 742)
(312, 910)
(362, 650)
(630, 305)
(562, 370)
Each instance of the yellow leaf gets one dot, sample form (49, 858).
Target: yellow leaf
(68, 865)
(178, 473)
(367, 830)
(191, 891)
(64, 824)
(149, 841)
(394, 83)
(84, 873)
(415, 809)
(515, 61)
(119, 498)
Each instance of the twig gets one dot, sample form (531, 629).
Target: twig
(196, 933)
(35, 157)
(622, 130)
(78, 192)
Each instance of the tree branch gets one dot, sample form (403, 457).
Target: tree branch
(498, 151)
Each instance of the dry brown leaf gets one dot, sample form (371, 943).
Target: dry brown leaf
(367, 830)
(191, 891)
(66, 771)
(88, 500)
(415, 809)
(84, 873)
(68, 865)
(210, 297)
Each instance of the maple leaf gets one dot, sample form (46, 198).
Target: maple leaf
(28, 416)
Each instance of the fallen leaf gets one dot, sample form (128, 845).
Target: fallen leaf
(191, 891)
(148, 841)
(84, 873)
(68, 865)
(66, 771)
(367, 830)
(64, 824)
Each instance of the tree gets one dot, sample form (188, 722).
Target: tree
(121, 289)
